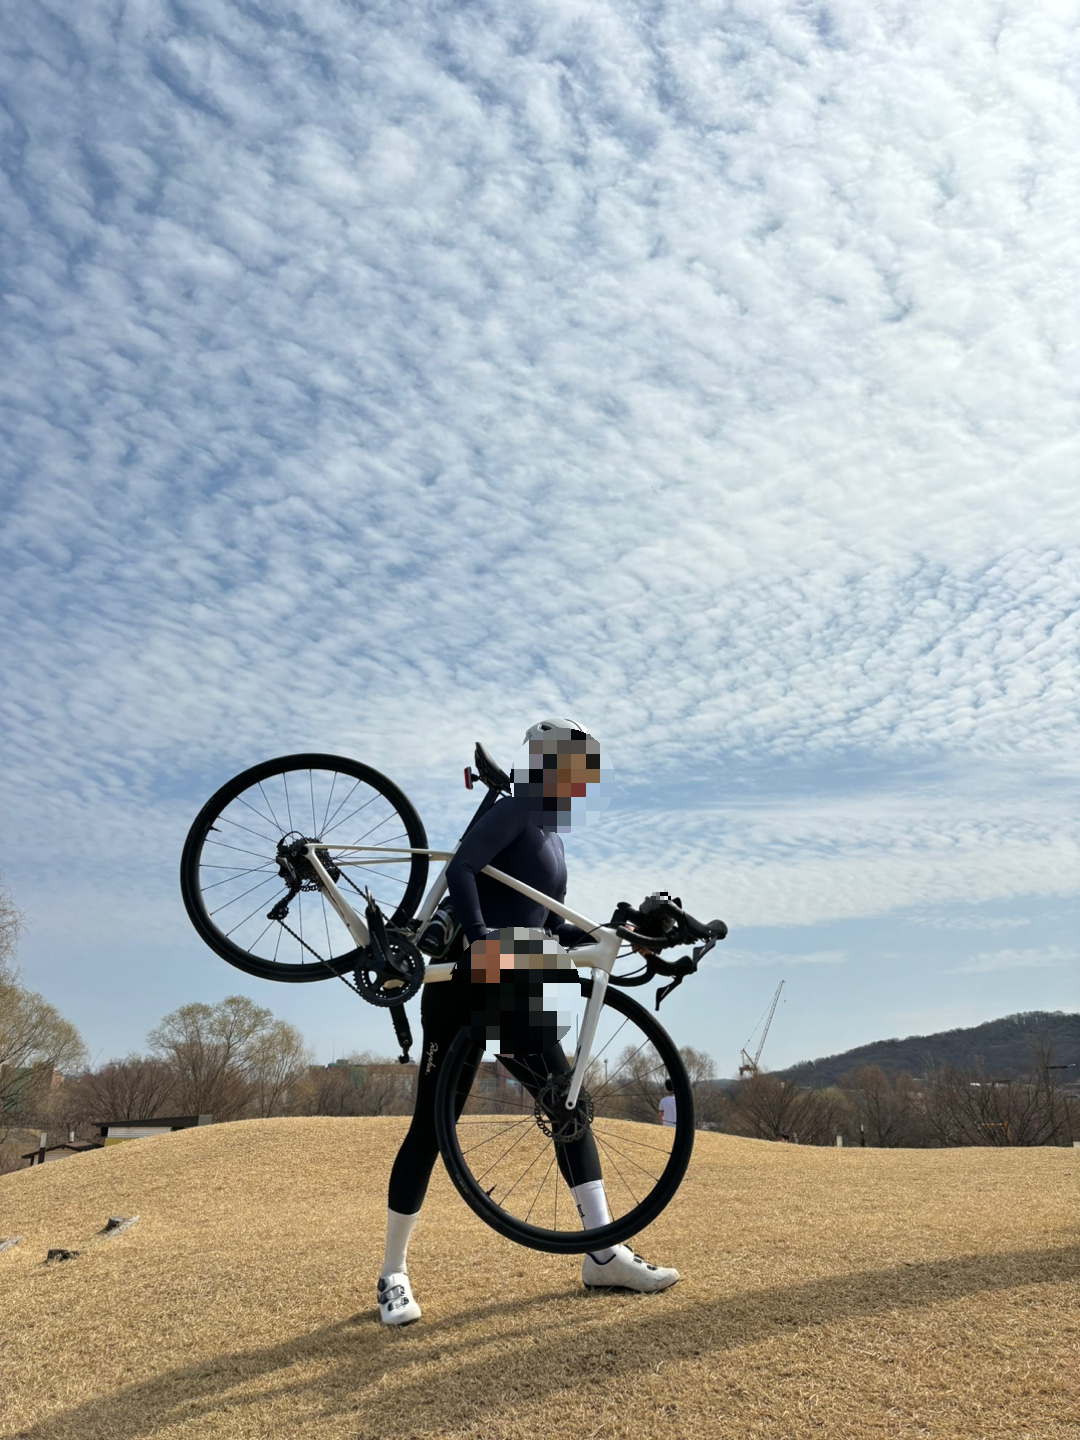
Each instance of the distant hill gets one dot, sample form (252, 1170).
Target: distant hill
(1002, 1046)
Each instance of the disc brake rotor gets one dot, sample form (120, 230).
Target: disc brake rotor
(554, 1119)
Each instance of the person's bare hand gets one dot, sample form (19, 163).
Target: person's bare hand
(637, 949)
(486, 960)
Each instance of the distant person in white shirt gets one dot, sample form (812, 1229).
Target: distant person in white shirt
(667, 1106)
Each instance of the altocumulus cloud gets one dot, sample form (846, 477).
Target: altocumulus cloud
(375, 377)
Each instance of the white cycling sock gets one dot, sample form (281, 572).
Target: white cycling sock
(592, 1206)
(398, 1229)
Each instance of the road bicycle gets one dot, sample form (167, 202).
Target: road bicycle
(313, 867)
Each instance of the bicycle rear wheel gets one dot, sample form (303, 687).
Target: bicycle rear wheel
(232, 875)
(499, 1138)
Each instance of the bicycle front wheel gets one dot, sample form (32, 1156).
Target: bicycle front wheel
(511, 1153)
(270, 918)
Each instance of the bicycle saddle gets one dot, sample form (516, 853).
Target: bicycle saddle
(487, 772)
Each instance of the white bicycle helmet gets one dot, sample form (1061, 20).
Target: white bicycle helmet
(537, 731)
(541, 748)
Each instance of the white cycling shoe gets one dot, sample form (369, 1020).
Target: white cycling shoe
(626, 1271)
(396, 1303)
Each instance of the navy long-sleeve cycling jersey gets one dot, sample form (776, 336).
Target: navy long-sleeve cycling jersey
(509, 840)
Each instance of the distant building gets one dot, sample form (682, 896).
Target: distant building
(45, 1153)
(113, 1131)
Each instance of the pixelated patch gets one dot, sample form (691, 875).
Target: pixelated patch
(511, 1016)
(515, 1022)
(567, 761)
(534, 951)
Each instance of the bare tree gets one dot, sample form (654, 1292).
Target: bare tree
(767, 1106)
(274, 1064)
(885, 1108)
(771, 1108)
(327, 1090)
(137, 1088)
(632, 1085)
(363, 1084)
(210, 1051)
(699, 1065)
(35, 1041)
(11, 921)
(970, 1107)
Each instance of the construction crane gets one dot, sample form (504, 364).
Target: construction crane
(748, 1066)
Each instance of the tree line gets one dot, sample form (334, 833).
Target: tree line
(951, 1105)
(236, 1060)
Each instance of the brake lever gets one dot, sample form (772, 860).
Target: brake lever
(686, 966)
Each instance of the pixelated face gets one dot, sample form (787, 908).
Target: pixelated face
(561, 777)
(570, 769)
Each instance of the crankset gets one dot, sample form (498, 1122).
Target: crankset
(391, 968)
(391, 980)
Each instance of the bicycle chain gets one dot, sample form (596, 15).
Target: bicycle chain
(336, 973)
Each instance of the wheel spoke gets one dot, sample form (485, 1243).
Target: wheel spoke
(231, 879)
(629, 1189)
(235, 899)
(267, 819)
(230, 933)
(384, 840)
(543, 1182)
(505, 1165)
(228, 820)
(521, 1177)
(523, 1136)
(494, 1135)
(332, 820)
(612, 1147)
(396, 879)
(320, 830)
(230, 861)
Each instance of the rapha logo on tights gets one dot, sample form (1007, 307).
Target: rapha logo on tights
(433, 1050)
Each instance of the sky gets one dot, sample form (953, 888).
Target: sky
(377, 378)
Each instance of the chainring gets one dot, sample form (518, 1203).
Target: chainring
(393, 985)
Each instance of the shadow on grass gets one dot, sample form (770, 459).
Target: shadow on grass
(585, 1347)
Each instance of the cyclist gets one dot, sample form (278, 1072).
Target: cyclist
(520, 836)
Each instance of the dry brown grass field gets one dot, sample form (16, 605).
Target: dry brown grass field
(826, 1293)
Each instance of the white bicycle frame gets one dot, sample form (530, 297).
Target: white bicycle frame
(599, 957)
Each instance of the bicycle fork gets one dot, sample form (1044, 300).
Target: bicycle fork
(607, 947)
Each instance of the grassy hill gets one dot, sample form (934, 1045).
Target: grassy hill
(1002, 1046)
(850, 1293)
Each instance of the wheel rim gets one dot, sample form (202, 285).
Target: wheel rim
(504, 1163)
(242, 863)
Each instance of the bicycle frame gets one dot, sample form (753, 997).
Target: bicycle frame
(599, 957)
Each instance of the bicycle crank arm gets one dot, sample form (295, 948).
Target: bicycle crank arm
(346, 914)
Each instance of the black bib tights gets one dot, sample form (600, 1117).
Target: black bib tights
(444, 1010)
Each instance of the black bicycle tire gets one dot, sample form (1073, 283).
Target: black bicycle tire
(557, 1242)
(189, 861)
